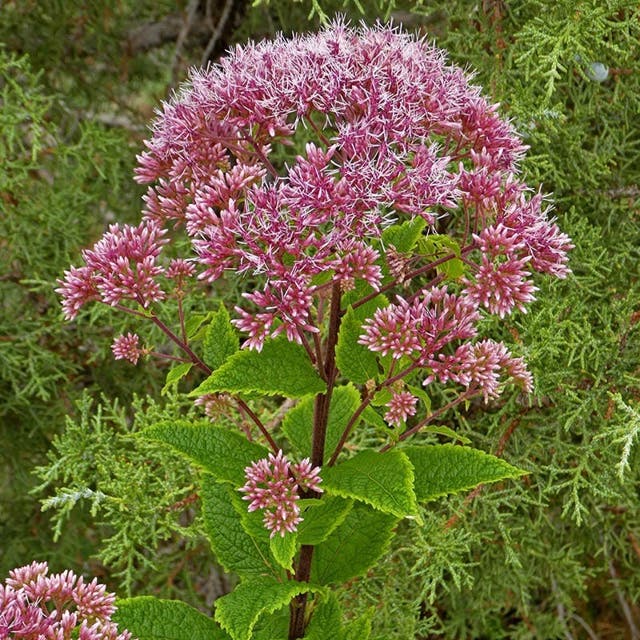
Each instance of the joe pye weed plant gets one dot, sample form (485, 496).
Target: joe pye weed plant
(369, 196)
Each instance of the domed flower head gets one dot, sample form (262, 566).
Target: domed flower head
(289, 159)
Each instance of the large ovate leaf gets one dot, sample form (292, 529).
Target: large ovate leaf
(221, 452)
(236, 550)
(383, 480)
(149, 618)
(298, 422)
(441, 469)
(272, 626)
(238, 611)
(221, 339)
(326, 621)
(355, 361)
(321, 517)
(281, 368)
(354, 547)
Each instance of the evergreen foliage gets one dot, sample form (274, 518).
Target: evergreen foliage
(555, 555)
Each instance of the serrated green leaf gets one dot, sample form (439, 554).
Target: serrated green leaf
(174, 376)
(382, 397)
(438, 246)
(372, 417)
(221, 339)
(221, 452)
(355, 361)
(445, 431)
(193, 323)
(281, 368)
(326, 621)
(383, 480)
(235, 549)
(297, 424)
(441, 469)
(272, 626)
(405, 236)
(421, 394)
(283, 548)
(354, 547)
(360, 628)
(238, 611)
(361, 290)
(321, 518)
(149, 618)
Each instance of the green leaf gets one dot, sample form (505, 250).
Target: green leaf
(281, 368)
(383, 480)
(421, 394)
(354, 547)
(194, 322)
(437, 246)
(223, 453)
(149, 618)
(372, 417)
(221, 339)
(365, 310)
(175, 375)
(360, 628)
(405, 236)
(283, 548)
(326, 621)
(272, 626)
(382, 397)
(441, 469)
(298, 422)
(238, 611)
(235, 549)
(355, 361)
(321, 518)
(441, 430)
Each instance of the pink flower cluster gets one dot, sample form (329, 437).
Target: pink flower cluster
(121, 266)
(397, 133)
(274, 485)
(401, 406)
(383, 130)
(38, 606)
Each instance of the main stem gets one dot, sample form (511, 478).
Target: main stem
(297, 623)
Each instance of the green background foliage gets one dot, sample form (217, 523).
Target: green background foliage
(553, 555)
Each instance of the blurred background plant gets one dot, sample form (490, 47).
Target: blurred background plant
(554, 557)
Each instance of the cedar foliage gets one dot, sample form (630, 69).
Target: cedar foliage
(555, 556)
